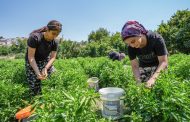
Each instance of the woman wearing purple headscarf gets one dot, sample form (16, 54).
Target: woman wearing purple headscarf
(147, 52)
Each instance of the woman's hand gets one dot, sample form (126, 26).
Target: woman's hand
(44, 72)
(150, 83)
(40, 76)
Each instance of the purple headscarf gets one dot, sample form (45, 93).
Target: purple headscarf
(132, 28)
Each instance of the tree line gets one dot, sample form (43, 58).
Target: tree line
(176, 32)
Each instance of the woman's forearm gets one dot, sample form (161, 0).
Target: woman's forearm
(162, 66)
(50, 62)
(33, 64)
(136, 73)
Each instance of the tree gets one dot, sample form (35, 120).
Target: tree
(4, 50)
(98, 35)
(183, 38)
(175, 30)
(117, 43)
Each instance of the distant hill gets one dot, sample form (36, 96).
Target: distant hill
(10, 41)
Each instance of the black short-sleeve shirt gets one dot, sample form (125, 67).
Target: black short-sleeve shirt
(148, 55)
(43, 47)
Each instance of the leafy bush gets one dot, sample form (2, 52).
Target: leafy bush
(66, 96)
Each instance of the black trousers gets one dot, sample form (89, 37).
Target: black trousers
(146, 73)
(33, 82)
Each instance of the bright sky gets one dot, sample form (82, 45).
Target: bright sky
(79, 17)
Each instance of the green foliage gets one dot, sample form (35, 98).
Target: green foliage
(100, 43)
(20, 56)
(4, 50)
(183, 37)
(15, 48)
(98, 35)
(68, 48)
(66, 96)
(176, 32)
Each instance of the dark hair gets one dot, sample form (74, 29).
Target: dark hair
(52, 25)
(116, 56)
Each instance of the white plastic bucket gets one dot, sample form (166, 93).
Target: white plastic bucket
(112, 102)
(93, 83)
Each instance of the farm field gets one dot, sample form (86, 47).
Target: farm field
(66, 96)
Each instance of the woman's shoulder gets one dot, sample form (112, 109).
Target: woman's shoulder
(154, 38)
(153, 35)
(36, 36)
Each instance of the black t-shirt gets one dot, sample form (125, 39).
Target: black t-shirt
(43, 47)
(147, 55)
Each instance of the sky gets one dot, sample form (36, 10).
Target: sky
(80, 17)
